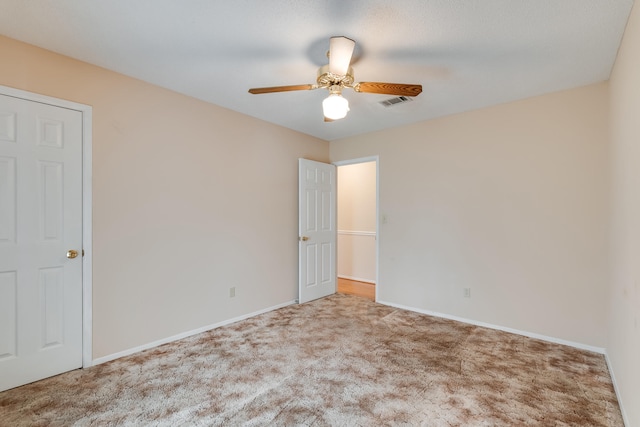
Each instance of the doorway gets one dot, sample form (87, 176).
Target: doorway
(357, 220)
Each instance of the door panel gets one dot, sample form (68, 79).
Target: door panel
(7, 200)
(317, 227)
(40, 220)
(51, 286)
(8, 314)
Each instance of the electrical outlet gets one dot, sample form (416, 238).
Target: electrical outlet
(467, 292)
(232, 292)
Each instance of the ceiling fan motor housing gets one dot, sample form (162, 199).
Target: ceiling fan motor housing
(327, 79)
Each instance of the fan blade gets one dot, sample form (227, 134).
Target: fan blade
(258, 90)
(388, 88)
(340, 51)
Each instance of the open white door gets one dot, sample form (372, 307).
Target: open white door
(40, 241)
(317, 230)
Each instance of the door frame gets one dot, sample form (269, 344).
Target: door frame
(87, 229)
(368, 159)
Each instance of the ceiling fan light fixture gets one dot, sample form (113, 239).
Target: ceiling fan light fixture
(335, 106)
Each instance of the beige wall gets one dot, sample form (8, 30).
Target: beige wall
(357, 221)
(189, 200)
(510, 201)
(624, 327)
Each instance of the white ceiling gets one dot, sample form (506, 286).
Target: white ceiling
(467, 54)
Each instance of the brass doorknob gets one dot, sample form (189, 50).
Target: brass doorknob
(304, 238)
(72, 254)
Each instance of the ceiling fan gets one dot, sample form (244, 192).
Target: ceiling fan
(338, 75)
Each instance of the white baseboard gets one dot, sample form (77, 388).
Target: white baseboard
(578, 345)
(615, 388)
(357, 279)
(182, 335)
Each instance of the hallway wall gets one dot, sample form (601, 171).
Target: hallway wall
(357, 221)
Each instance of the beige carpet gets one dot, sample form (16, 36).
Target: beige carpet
(339, 361)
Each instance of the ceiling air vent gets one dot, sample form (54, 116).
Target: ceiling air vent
(395, 101)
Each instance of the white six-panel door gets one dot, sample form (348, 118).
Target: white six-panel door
(40, 221)
(317, 228)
